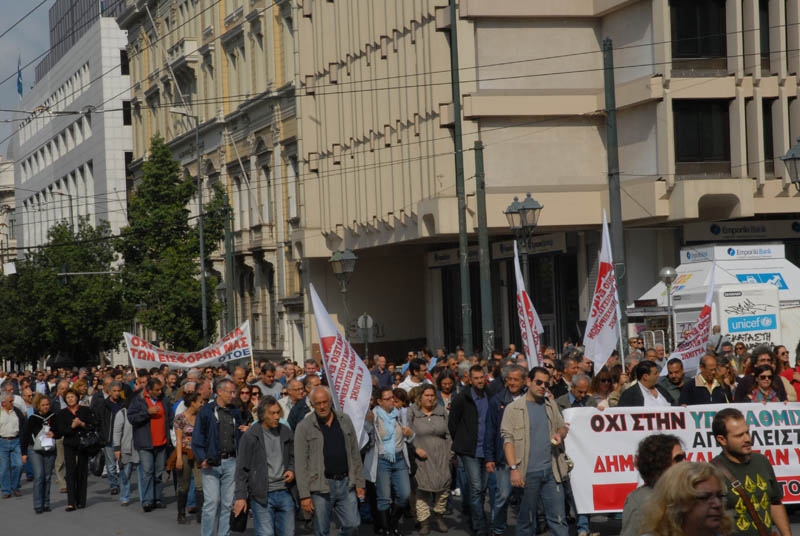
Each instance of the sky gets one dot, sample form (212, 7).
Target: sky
(28, 39)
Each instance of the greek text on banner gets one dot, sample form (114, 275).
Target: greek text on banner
(234, 345)
(603, 446)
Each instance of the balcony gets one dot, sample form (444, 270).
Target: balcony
(183, 56)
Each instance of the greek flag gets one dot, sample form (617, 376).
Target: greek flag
(19, 75)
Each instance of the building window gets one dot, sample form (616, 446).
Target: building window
(126, 113)
(769, 148)
(702, 138)
(763, 21)
(124, 66)
(699, 42)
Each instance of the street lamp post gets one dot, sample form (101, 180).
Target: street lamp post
(222, 296)
(203, 304)
(792, 161)
(343, 263)
(523, 217)
(668, 276)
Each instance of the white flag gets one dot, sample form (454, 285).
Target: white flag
(602, 329)
(348, 376)
(694, 347)
(530, 326)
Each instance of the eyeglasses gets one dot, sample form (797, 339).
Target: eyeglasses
(548, 365)
(708, 496)
(539, 383)
(679, 457)
(244, 393)
(255, 395)
(605, 380)
(765, 377)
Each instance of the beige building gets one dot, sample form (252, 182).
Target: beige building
(707, 99)
(230, 64)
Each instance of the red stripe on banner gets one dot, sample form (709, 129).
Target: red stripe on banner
(611, 496)
(791, 489)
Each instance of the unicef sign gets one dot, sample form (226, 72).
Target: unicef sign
(740, 324)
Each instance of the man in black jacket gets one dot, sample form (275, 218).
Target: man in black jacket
(645, 391)
(104, 415)
(265, 472)
(467, 425)
(704, 388)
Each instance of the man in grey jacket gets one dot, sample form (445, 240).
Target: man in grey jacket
(328, 466)
(265, 470)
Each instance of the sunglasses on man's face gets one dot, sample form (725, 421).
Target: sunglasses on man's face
(539, 383)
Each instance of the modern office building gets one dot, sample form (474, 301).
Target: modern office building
(71, 151)
(707, 98)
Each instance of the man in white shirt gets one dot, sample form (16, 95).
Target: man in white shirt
(417, 374)
(645, 391)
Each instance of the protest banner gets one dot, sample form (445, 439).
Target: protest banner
(348, 376)
(530, 326)
(603, 444)
(602, 327)
(694, 346)
(233, 346)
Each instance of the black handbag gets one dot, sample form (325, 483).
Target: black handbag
(239, 523)
(97, 463)
(90, 442)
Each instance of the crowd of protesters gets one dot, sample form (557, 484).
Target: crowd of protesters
(445, 432)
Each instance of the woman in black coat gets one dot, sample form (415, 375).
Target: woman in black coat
(71, 423)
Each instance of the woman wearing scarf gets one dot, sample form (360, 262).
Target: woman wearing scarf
(763, 391)
(393, 464)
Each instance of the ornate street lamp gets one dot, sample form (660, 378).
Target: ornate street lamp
(668, 275)
(343, 264)
(792, 161)
(523, 217)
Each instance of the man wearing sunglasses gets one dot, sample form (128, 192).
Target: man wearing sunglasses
(533, 431)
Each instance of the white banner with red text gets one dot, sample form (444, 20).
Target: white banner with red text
(603, 444)
(235, 345)
(348, 376)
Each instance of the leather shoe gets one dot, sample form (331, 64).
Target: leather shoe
(69, 509)
(147, 507)
(17, 493)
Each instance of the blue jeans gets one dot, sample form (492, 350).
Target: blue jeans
(477, 480)
(42, 465)
(125, 471)
(275, 518)
(218, 498)
(111, 467)
(502, 493)
(152, 465)
(542, 484)
(340, 500)
(10, 465)
(392, 476)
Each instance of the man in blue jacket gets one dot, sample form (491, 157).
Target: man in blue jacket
(151, 418)
(495, 460)
(215, 440)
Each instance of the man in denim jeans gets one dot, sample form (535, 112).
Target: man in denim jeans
(215, 440)
(328, 466)
(467, 425)
(151, 418)
(531, 427)
(265, 472)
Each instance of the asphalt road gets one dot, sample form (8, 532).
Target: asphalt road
(104, 516)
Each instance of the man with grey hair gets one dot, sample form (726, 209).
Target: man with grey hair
(215, 440)
(265, 471)
(326, 446)
(12, 422)
(463, 375)
(105, 412)
(578, 395)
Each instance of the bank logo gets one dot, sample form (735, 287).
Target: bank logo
(731, 252)
(739, 324)
(715, 229)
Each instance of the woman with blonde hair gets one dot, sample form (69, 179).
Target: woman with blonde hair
(688, 500)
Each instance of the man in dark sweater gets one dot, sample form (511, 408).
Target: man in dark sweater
(467, 423)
